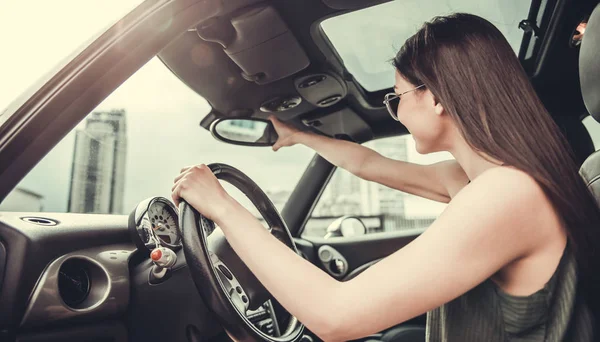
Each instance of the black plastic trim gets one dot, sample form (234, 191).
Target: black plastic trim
(306, 194)
(2, 263)
(30, 248)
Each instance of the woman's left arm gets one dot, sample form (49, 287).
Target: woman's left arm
(487, 225)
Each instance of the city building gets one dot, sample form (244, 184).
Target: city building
(98, 170)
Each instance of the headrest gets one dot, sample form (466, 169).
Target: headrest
(589, 65)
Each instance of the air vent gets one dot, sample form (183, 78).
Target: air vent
(74, 282)
(40, 221)
(82, 284)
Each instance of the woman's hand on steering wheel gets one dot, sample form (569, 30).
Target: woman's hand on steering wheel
(199, 187)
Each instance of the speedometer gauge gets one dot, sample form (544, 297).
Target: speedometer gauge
(164, 221)
(155, 220)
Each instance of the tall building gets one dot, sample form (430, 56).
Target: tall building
(98, 170)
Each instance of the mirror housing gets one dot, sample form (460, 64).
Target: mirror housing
(244, 131)
(346, 226)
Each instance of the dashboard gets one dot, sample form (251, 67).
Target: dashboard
(91, 283)
(154, 227)
(66, 277)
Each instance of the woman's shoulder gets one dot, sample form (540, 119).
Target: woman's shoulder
(517, 197)
(510, 199)
(507, 174)
(509, 183)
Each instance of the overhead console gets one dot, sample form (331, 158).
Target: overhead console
(344, 124)
(259, 42)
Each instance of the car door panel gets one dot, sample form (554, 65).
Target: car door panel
(361, 253)
(358, 251)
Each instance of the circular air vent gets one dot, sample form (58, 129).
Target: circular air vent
(40, 221)
(82, 283)
(74, 282)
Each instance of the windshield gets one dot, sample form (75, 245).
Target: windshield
(38, 35)
(134, 144)
(378, 32)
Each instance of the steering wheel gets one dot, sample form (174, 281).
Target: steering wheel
(227, 286)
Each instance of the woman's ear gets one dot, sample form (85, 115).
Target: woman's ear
(438, 108)
(437, 105)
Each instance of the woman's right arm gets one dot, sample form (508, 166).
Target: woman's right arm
(439, 182)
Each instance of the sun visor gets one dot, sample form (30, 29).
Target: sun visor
(259, 42)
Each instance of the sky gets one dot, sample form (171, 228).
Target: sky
(163, 114)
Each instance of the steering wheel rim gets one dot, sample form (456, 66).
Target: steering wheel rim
(195, 229)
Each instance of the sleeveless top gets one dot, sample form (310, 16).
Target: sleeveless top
(486, 313)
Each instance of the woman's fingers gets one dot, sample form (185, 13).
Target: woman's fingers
(182, 173)
(175, 195)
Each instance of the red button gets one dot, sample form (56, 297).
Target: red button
(156, 255)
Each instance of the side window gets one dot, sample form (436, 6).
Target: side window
(380, 208)
(133, 145)
(593, 129)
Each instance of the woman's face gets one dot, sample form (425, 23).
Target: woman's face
(420, 114)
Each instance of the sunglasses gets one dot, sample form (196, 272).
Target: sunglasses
(392, 100)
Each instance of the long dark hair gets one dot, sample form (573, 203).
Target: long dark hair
(471, 69)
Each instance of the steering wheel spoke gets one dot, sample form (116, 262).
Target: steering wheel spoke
(231, 285)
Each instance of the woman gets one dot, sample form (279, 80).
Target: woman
(511, 257)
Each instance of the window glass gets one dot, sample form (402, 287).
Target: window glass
(381, 208)
(37, 35)
(378, 32)
(134, 144)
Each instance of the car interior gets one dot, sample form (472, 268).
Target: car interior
(166, 272)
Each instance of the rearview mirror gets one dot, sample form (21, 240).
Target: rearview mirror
(247, 132)
(346, 226)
